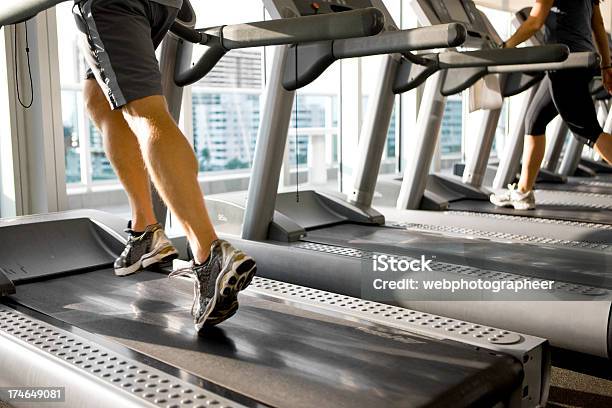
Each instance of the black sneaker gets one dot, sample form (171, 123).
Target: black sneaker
(142, 251)
(217, 283)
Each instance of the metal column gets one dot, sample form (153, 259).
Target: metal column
(511, 158)
(476, 166)
(374, 136)
(572, 157)
(269, 152)
(428, 126)
(558, 135)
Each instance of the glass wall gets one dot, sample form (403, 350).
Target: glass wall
(222, 112)
(225, 105)
(86, 163)
(451, 134)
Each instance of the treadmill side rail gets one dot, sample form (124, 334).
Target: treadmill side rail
(35, 352)
(533, 352)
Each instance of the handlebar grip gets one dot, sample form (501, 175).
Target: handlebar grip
(349, 24)
(425, 38)
(219, 40)
(16, 11)
(506, 56)
(588, 60)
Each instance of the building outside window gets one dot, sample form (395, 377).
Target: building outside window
(451, 134)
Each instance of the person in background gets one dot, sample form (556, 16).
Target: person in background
(579, 25)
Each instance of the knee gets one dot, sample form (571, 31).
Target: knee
(152, 108)
(534, 126)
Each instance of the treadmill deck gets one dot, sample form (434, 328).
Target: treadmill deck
(269, 351)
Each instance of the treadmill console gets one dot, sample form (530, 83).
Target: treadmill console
(303, 8)
(480, 33)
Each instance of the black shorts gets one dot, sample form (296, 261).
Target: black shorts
(566, 93)
(119, 38)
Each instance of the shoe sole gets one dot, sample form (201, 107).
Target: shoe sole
(527, 207)
(224, 315)
(165, 254)
(233, 279)
(502, 204)
(506, 204)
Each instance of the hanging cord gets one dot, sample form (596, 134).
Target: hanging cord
(297, 146)
(27, 50)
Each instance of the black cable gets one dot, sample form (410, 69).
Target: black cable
(27, 49)
(297, 146)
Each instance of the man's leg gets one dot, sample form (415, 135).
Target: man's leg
(123, 151)
(533, 155)
(173, 167)
(604, 147)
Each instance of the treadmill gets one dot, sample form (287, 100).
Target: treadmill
(455, 195)
(420, 190)
(556, 176)
(96, 340)
(335, 240)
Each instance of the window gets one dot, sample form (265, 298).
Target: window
(225, 105)
(451, 133)
(86, 163)
(313, 142)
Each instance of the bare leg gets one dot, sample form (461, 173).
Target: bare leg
(173, 167)
(123, 151)
(533, 155)
(604, 147)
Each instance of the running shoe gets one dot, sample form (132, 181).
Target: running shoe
(217, 283)
(514, 199)
(144, 250)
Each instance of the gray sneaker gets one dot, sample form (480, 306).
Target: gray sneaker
(217, 283)
(514, 199)
(142, 251)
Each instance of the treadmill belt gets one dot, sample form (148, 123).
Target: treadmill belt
(554, 212)
(579, 186)
(582, 267)
(272, 352)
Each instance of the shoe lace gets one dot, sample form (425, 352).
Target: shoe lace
(183, 272)
(189, 273)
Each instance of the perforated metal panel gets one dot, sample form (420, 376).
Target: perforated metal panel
(150, 385)
(504, 236)
(573, 199)
(393, 316)
(534, 220)
(460, 269)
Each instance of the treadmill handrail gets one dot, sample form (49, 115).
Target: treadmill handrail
(574, 61)
(503, 56)
(403, 41)
(219, 40)
(418, 68)
(16, 11)
(315, 58)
